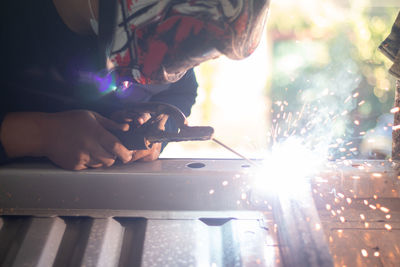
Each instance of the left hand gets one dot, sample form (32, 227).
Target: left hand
(147, 155)
(135, 120)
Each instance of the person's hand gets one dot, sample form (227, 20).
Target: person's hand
(135, 120)
(80, 139)
(147, 155)
(73, 140)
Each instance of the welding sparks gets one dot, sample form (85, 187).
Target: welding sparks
(388, 227)
(384, 209)
(395, 127)
(364, 253)
(301, 141)
(287, 168)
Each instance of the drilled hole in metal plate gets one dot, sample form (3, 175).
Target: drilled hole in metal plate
(245, 166)
(196, 165)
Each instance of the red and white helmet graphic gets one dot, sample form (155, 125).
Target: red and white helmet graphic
(157, 41)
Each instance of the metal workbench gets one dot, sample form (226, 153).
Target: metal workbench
(202, 212)
(162, 213)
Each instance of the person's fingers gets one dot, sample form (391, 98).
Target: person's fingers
(143, 118)
(139, 154)
(154, 153)
(159, 121)
(94, 164)
(123, 116)
(112, 145)
(128, 117)
(163, 120)
(100, 157)
(110, 124)
(77, 162)
(79, 167)
(147, 155)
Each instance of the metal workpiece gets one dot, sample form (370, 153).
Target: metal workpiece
(359, 208)
(181, 212)
(163, 185)
(32, 242)
(104, 244)
(301, 238)
(205, 243)
(141, 242)
(300, 233)
(196, 212)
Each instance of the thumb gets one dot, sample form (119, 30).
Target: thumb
(110, 124)
(163, 120)
(143, 118)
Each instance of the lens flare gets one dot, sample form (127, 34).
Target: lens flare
(287, 168)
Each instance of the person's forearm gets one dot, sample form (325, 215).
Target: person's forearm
(22, 134)
(74, 139)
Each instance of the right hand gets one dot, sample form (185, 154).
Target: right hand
(135, 120)
(73, 140)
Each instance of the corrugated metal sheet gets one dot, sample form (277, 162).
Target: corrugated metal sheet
(162, 213)
(85, 241)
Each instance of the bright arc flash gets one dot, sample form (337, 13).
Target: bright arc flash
(287, 168)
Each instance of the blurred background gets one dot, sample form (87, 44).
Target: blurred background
(310, 48)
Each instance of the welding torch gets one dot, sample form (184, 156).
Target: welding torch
(143, 136)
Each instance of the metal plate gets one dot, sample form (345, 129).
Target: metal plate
(84, 241)
(163, 185)
(163, 213)
(171, 212)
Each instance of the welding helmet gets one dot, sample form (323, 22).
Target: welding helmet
(157, 41)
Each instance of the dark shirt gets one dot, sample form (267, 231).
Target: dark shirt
(46, 67)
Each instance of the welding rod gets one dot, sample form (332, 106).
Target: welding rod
(235, 152)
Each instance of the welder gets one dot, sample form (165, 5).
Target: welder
(70, 66)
